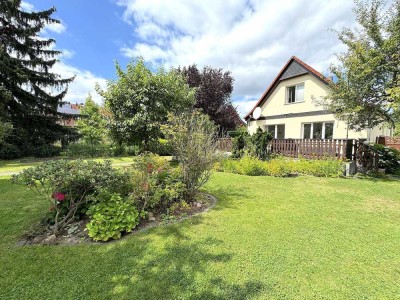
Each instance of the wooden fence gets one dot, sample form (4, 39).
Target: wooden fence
(315, 149)
(393, 142)
(367, 158)
(224, 144)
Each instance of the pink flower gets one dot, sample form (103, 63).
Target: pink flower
(60, 197)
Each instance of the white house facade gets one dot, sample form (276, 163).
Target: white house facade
(288, 110)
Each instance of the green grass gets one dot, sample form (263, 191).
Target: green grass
(21, 164)
(267, 238)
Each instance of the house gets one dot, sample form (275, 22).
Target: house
(71, 112)
(287, 108)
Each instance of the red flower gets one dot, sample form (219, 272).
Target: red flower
(149, 168)
(60, 197)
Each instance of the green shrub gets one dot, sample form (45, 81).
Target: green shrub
(255, 145)
(110, 217)
(239, 143)
(155, 183)
(328, 167)
(193, 137)
(252, 166)
(132, 150)
(70, 185)
(82, 149)
(162, 147)
(9, 151)
(281, 166)
(259, 143)
(46, 151)
(389, 158)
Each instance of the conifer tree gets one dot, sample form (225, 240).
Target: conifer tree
(29, 92)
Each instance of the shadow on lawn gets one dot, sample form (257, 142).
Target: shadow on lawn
(181, 267)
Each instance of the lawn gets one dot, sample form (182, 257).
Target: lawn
(12, 166)
(275, 238)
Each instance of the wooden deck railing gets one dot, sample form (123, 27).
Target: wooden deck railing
(315, 149)
(224, 144)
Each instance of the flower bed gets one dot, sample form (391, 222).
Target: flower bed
(281, 167)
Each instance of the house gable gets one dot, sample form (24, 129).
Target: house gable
(293, 68)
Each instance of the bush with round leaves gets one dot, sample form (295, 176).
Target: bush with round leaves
(111, 216)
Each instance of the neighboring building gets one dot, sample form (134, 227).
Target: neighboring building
(288, 109)
(69, 109)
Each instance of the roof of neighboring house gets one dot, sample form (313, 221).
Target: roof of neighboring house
(294, 67)
(68, 108)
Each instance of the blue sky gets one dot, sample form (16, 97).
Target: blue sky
(253, 39)
(94, 31)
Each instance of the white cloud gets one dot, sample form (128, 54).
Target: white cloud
(253, 38)
(244, 106)
(56, 27)
(27, 6)
(84, 83)
(66, 54)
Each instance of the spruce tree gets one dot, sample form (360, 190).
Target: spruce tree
(29, 92)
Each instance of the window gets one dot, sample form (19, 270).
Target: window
(277, 131)
(295, 93)
(318, 130)
(307, 131)
(271, 129)
(280, 131)
(329, 131)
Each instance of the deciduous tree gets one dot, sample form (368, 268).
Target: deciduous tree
(139, 101)
(367, 90)
(91, 124)
(213, 91)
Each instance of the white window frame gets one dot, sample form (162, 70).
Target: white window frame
(296, 95)
(276, 129)
(312, 129)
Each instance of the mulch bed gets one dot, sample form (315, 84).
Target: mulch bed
(75, 233)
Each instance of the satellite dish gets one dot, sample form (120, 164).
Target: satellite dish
(257, 113)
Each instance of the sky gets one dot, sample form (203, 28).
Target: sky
(253, 39)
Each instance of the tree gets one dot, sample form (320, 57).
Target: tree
(139, 101)
(193, 139)
(213, 91)
(92, 124)
(367, 90)
(29, 92)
